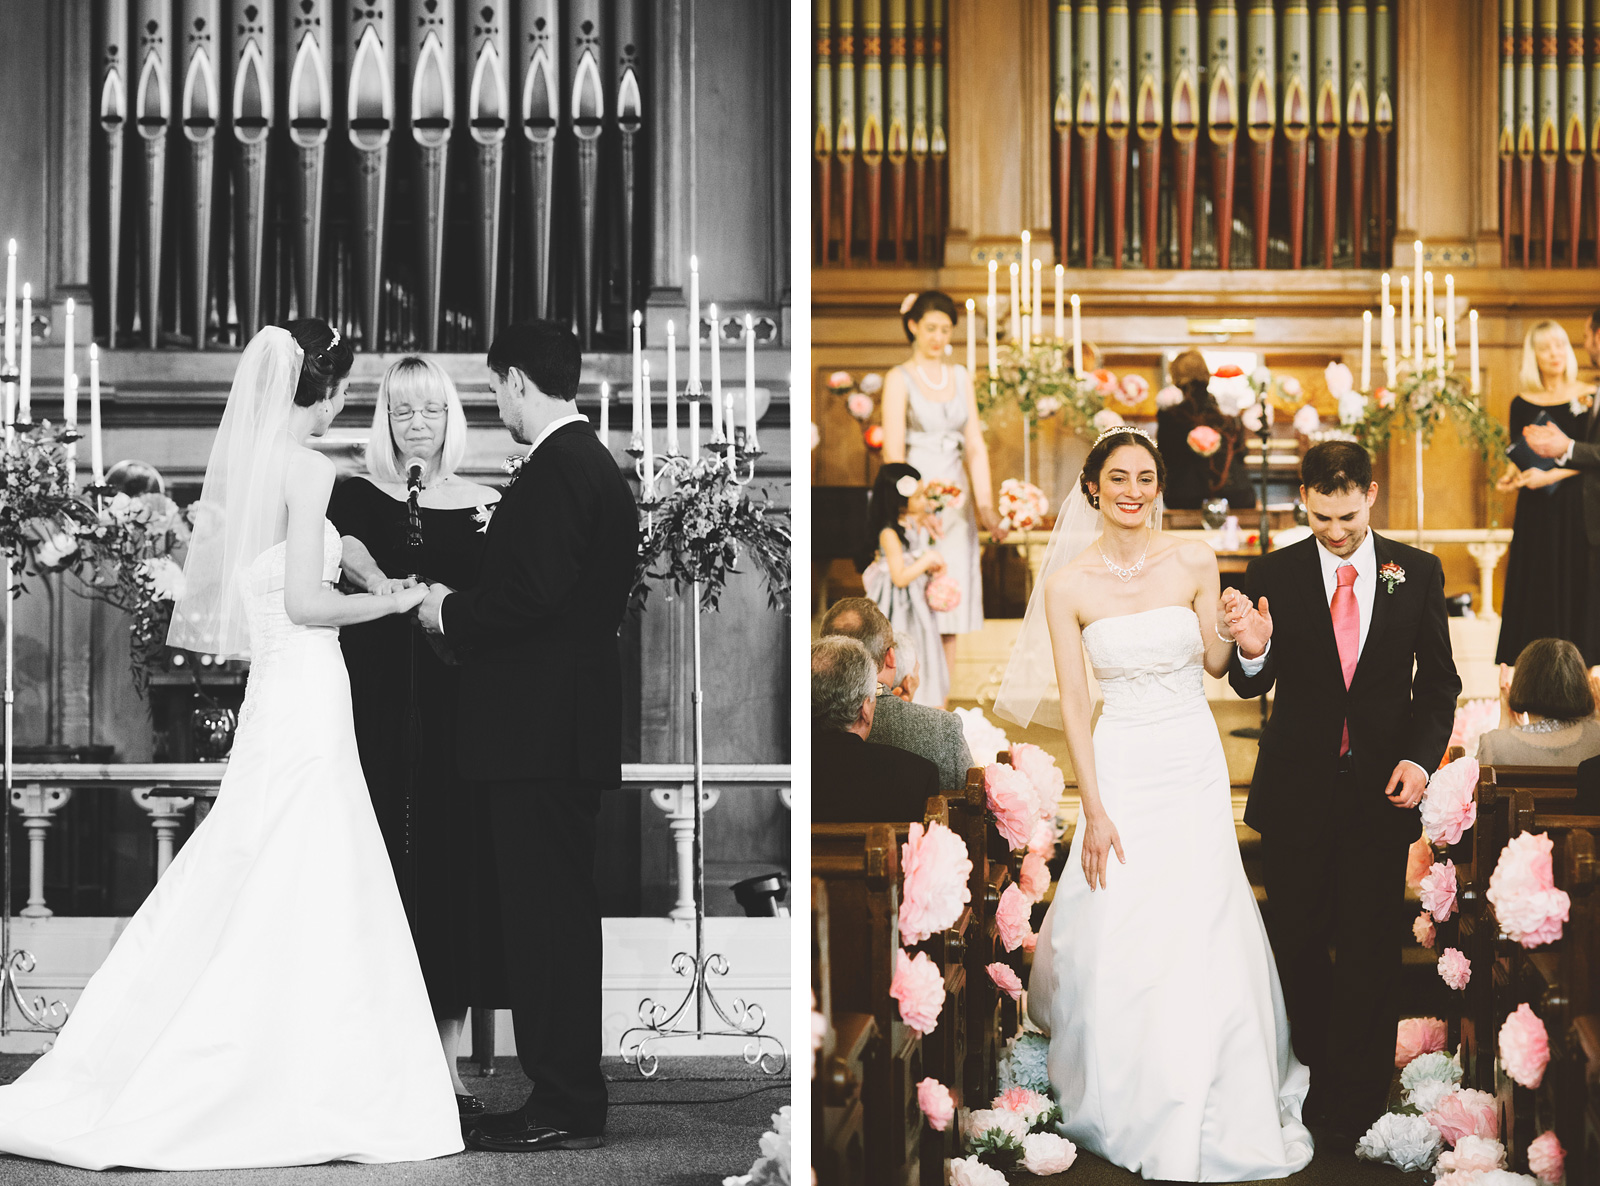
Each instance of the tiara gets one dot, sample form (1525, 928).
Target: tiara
(1131, 428)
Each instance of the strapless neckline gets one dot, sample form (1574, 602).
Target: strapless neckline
(1187, 609)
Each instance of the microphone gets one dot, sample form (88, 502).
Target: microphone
(414, 467)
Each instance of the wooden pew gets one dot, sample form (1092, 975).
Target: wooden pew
(991, 1014)
(850, 1046)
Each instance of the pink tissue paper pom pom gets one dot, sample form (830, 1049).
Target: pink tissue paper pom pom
(1465, 1113)
(1338, 378)
(872, 383)
(1132, 390)
(1049, 783)
(1169, 397)
(1204, 439)
(1030, 942)
(840, 381)
(1524, 1046)
(1522, 891)
(1473, 1155)
(1045, 1153)
(1034, 878)
(1448, 805)
(1438, 890)
(1419, 859)
(943, 593)
(1547, 1160)
(1306, 420)
(1043, 840)
(1455, 969)
(859, 405)
(935, 890)
(969, 1171)
(1473, 720)
(1012, 800)
(1417, 1035)
(1105, 419)
(919, 987)
(1423, 929)
(937, 1104)
(1032, 1106)
(1011, 918)
(1005, 980)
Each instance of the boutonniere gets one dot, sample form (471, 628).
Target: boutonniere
(513, 464)
(1392, 575)
(1580, 404)
(482, 515)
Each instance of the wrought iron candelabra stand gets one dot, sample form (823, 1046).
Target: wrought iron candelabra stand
(658, 1021)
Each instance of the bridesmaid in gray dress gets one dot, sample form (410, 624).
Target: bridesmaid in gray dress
(930, 421)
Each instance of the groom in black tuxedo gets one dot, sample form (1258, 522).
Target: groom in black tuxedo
(1351, 627)
(540, 731)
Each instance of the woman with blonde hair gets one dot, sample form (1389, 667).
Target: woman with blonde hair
(405, 696)
(1547, 572)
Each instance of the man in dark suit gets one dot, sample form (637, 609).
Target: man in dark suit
(1339, 622)
(854, 780)
(541, 723)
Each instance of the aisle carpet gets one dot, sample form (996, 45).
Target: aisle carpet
(696, 1123)
(1326, 1169)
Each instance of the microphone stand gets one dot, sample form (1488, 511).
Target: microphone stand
(413, 716)
(1255, 731)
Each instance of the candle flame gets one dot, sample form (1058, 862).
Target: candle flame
(993, 266)
(11, 246)
(644, 369)
(71, 305)
(1366, 315)
(1060, 270)
(1015, 268)
(694, 263)
(1027, 236)
(94, 351)
(27, 292)
(670, 329)
(971, 304)
(1074, 300)
(605, 389)
(638, 318)
(1037, 264)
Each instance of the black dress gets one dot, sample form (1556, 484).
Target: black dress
(1547, 571)
(440, 854)
(1192, 478)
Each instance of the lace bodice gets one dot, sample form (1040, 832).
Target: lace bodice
(1147, 662)
(270, 627)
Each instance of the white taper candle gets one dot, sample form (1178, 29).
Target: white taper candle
(97, 458)
(672, 390)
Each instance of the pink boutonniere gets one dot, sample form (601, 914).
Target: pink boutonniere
(1392, 575)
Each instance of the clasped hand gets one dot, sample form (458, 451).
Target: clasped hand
(1245, 623)
(1546, 439)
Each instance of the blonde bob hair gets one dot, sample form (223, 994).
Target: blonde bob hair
(406, 378)
(1529, 377)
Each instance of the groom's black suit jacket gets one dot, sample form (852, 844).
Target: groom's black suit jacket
(541, 687)
(1400, 704)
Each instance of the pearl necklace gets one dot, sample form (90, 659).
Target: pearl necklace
(1125, 574)
(944, 377)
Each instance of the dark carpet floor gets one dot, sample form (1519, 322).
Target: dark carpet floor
(1327, 1168)
(696, 1123)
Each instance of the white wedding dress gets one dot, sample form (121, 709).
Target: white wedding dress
(264, 1007)
(1169, 1045)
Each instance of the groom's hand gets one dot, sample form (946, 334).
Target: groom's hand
(428, 611)
(1406, 785)
(1546, 440)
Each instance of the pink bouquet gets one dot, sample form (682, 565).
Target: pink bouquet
(1022, 505)
(1547, 1160)
(1438, 890)
(937, 1104)
(919, 988)
(1465, 1113)
(1011, 799)
(1423, 929)
(943, 496)
(1006, 980)
(1013, 919)
(1449, 805)
(1417, 1035)
(1455, 969)
(1522, 891)
(1132, 391)
(936, 868)
(1034, 877)
(969, 1171)
(943, 593)
(1049, 784)
(1524, 1046)
(1204, 439)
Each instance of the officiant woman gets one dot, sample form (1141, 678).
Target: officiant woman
(404, 695)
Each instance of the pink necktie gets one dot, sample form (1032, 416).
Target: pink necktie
(1347, 633)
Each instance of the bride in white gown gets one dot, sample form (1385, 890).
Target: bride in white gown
(1169, 1044)
(264, 1007)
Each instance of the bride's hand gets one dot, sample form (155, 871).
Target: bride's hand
(409, 598)
(1099, 838)
(392, 585)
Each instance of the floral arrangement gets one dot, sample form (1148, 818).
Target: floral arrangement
(1524, 1046)
(1449, 805)
(943, 496)
(1420, 402)
(1422, 929)
(1040, 382)
(1048, 782)
(773, 1167)
(918, 986)
(984, 738)
(1006, 980)
(1419, 859)
(943, 593)
(1522, 891)
(1407, 1142)
(696, 529)
(935, 890)
(1022, 505)
(1473, 1155)
(1474, 719)
(1204, 440)
(42, 512)
(1016, 1130)
(1464, 1112)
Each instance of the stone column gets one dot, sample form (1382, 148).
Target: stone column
(678, 803)
(166, 814)
(37, 804)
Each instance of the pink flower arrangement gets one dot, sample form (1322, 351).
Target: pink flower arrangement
(1133, 390)
(1011, 799)
(1465, 1113)
(1034, 877)
(1524, 1046)
(1438, 891)
(1032, 1106)
(937, 1104)
(1522, 891)
(1455, 969)
(1006, 980)
(943, 593)
(936, 869)
(1105, 383)
(1384, 396)
(1547, 1160)
(1169, 397)
(1204, 439)
(1422, 929)
(1419, 859)
(1417, 1035)
(1449, 805)
(1012, 918)
(841, 381)
(919, 987)
(859, 405)
(1105, 419)
(1473, 720)
(1022, 505)
(1306, 420)
(1338, 378)
(1473, 1155)
(1049, 784)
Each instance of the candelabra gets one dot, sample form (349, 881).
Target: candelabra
(737, 453)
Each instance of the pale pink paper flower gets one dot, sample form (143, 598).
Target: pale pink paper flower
(984, 738)
(1438, 891)
(1465, 1113)
(1455, 969)
(1251, 418)
(1169, 397)
(1031, 942)
(1306, 420)
(1045, 1153)
(1043, 840)
(1423, 929)
(1524, 1046)
(1547, 1160)
(1032, 1106)
(936, 869)
(919, 987)
(860, 405)
(1005, 980)
(1034, 877)
(1204, 439)
(841, 381)
(969, 1171)
(1522, 891)
(1417, 1035)
(1105, 418)
(1049, 783)
(1012, 800)
(872, 383)
(1419, 859)
(1384, 397)
(1473, 720)
(1011, 918)
(1338, 378)
(937, 1104)
(1133, 389)
(1473, 1155)
(1449, 807)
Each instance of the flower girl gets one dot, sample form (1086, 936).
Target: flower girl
(904, 571)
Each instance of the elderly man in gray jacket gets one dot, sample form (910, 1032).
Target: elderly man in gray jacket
(929, 732)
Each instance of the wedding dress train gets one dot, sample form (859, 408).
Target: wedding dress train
(264, 1007)
(1169, 1044)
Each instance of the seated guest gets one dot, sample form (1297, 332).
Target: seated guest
(854, 780)
(907, 668)
(931, 732)
(1552, 707)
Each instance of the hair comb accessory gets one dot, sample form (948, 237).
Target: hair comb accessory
(1128, 428)
(335, 341)
(905, 305)
(906, 486)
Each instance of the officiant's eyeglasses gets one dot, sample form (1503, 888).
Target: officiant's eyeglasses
(403, 415)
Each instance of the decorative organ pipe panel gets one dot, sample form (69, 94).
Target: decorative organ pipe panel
(258, 160)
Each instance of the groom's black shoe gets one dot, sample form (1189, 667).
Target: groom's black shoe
(531, 1138)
